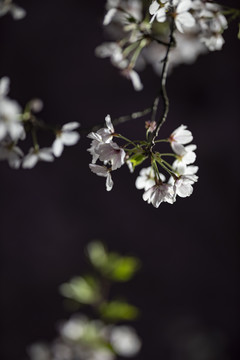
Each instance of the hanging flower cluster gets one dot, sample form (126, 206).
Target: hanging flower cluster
(142, 33)
(16, 124)
(133, 153)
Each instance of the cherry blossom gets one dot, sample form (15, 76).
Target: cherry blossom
(66, 136)
(179, 137)
(13, 154)
(158, 194)
(16, 11)
(146, 178)
(35, 155)
(158, 10)
(183, 18)
(112, 153)
(103, 171)
(10, 110)
(125, 340)
(183, 185)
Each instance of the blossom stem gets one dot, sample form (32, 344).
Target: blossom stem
(117, 121)
(163, 91)
(168, 154)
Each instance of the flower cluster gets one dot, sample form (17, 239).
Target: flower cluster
(7, 6)
(182, 172)
(198, 24)
(84, 339)
(15, 124)
(104, 149)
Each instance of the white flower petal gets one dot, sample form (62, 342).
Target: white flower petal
(99, 170)
(109, 182)
(70, 138)
(136, 81)
(109, 16)
(184, 5)
(70, 126)
(57, 147)
(29, 161)
(4, 86)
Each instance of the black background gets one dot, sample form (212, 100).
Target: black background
(188, 287)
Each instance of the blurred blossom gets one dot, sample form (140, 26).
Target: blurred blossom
(66, 136)
(35, 155)
(10, 110)
(84, 339)
(16, 11)
(125, 341)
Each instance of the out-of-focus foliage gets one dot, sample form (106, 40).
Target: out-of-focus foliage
(110, 264)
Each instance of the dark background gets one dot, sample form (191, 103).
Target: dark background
(188, 288)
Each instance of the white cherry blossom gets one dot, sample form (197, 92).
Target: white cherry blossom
(16, 11)
(183, 18)
(114, 52)
(158, 10)
(66, 136)
(102, 136)
(146, 179)
(125, 341)
(158, 194)
(185, 155)
(183, 185)
(10, 110)
(35, 155)
(134, 77)
(13, 154)
(112, 153)
(179, 137)
(104, 172)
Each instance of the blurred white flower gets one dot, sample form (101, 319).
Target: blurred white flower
(103, 171)
(125, 341)
(134, 77)
(34, 155)
(13, 154)
(10, 121)
(114, 52)
(16, 11)
(66, 136)
(158, 194)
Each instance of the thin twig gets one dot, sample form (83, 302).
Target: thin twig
(117, 121)
(163, 91)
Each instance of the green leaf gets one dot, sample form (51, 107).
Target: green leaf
(110, 264)
(239, 31)
(124, 268)
(118, 310)
(97, 254)
(84, 290)
(137, 159)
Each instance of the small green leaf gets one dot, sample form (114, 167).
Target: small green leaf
(124, 268)
(97, 254)
(137, 159)
(239, 31)
(118, 310)
(84, 290)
